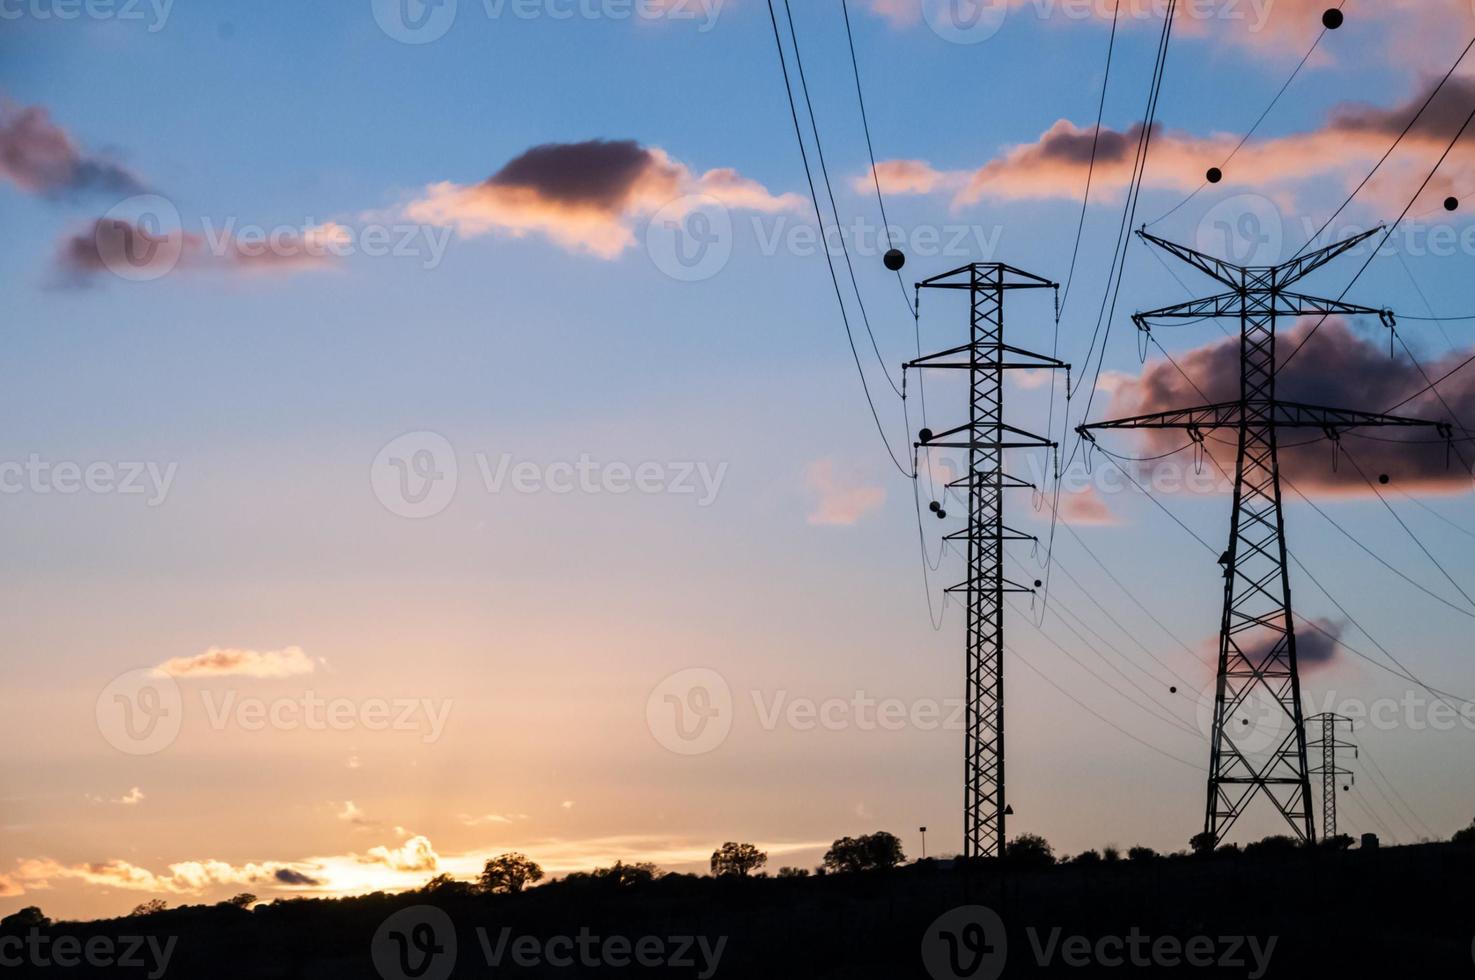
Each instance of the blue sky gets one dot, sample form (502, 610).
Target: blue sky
(548, 619)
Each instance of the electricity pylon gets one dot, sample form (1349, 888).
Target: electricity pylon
(1328, 770)
(986, 438)
(1257, 638)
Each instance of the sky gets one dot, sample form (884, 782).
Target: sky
(431, 431)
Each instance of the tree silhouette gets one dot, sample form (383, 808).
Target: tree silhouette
(1466, 836)
(1202, 843)
(151, 907)
(29, 917)
(508, 874)
(737, 859)
(869, 852)
(1032, 851)
(243, 901)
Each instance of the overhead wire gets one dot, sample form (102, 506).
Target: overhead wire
(830, 191)
(1251, 132)
(829, 261)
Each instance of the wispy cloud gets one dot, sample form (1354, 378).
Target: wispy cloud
(227, 662)
(39, 157)
(841, 498)
(1350, 140)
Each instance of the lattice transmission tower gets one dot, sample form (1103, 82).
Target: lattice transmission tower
(986, 438)
(1328, 770)
(1257, 637)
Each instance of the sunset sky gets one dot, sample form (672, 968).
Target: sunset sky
(417, 461)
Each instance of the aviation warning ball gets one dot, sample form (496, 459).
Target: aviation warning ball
(934, 507)
(1172, 690)
(894, 259)
(941, 514)
(925, 435)
(1451, 204)
(1214, 175)
(1038, 583)
(1383, 479)
(1332, 19)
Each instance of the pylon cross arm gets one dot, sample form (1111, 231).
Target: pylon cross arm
(1277, 414)
(1234, 305)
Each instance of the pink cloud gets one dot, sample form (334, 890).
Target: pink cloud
(40, 157)
(840, 499)
(1086, 508)
(1339, 369)
(586, 197)
(1353, 137)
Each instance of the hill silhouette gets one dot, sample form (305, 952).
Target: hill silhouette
(1271, 911)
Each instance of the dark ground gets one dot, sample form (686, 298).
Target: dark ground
(1399, 912)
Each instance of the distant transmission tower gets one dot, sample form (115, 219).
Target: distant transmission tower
(1257, 638)
(986, 437)
(1328, 769)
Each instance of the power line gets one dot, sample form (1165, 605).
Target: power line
(1384, 159)
(829, 190)
(871, 152)
(1251, 132)
(1100, 717)
(1407, 530)
(1368, 757)
(1095, 143)
(829, 262)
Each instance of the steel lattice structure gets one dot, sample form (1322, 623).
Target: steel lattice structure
(986, 437)
(1257, 639)
(1328, 770)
